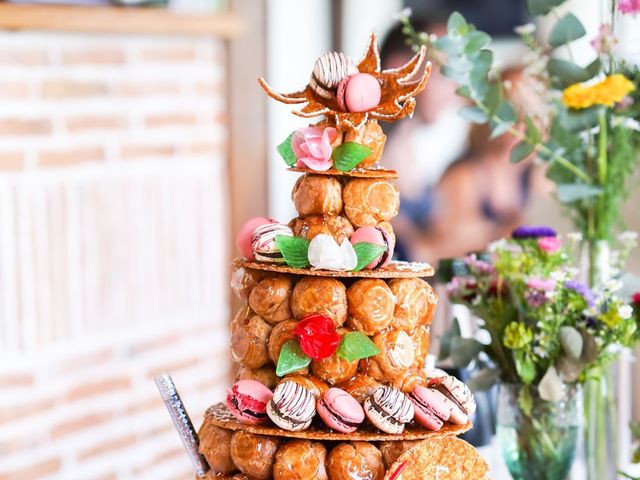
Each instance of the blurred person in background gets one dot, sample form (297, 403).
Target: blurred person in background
(459, 189)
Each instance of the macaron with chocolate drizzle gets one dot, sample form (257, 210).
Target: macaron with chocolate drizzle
(389, 409)
(461, 401)
(292, 407)
(263, 242)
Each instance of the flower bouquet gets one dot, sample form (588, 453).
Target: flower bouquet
(583, 126)
(548, 334)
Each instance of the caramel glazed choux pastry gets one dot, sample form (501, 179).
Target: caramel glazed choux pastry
(249, 337)
(270, 298)
(317, 195)
(254, 455)
(355, 460)
(368, 202)
(415, 303)
(300, 460)
(371, 304)
(325, 296)
(335, 225)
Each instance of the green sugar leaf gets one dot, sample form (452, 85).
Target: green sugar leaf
(355, 346)
(367, 253)
(294, 250)
(347, 156)
(568, 29)
(286, 151)
(291, 359)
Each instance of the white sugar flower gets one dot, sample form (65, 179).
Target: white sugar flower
(325, 253)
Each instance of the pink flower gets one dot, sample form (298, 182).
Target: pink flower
(605, 41)
(549, 244)
(629, 6)
(312, 147)
(536, 283)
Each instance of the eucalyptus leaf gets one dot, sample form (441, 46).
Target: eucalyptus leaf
(294, 250)
(580, 120)
(498, 129)
(452, 46)
(347, 156)
(594, 67)
(551, 387)
(571, 341)
(542, 7)
(521, 151)
(463, 91)
(473, 114)
(532, 132)
(567, 72)
(464, 350)
(493, 97)
(476, 41)
(484, 379)
(572, 192)
(286, 151)
(566, 30)
(451, 73)
(457, 24)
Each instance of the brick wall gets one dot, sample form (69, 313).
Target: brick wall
(113, 215)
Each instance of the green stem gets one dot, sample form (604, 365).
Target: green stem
(539, 146)
(602, 147)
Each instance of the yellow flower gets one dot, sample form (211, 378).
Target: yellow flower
(517, 335)
(611, 318)
(606, 92)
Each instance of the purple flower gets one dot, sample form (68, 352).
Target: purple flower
(527, 231)
(581, 289)
(535, 298)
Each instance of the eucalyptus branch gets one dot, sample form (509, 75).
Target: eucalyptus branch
(554, 156)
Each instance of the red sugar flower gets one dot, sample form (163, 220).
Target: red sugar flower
(317, 335)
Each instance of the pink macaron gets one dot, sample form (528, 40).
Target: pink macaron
(377, 236)
(243, 240)
(430, 409)
(340, 411)
(358, 93)
(247, 400)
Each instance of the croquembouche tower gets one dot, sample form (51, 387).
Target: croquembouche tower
(332, 338)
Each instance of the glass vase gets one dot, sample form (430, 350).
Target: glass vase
(540, 444)
(600, 409)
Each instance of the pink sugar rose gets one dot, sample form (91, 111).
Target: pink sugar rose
(629, 6)
(549, 244)
(312, 147)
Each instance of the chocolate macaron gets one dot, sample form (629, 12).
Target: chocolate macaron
(389, 409)
(292, 407)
